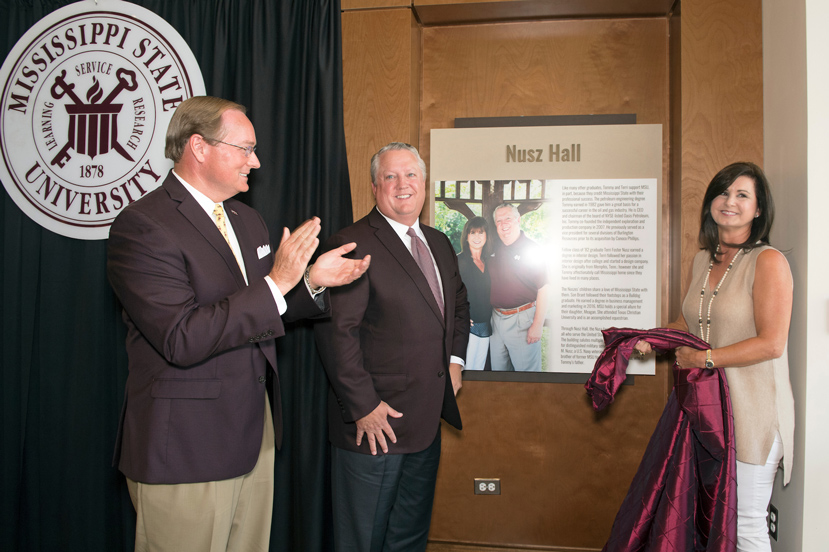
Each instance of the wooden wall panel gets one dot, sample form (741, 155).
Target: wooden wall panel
(381, 86)
(564, 470)
(453, 12)
(550, 68)
(722, 100)
(673, 202)
(373, 4)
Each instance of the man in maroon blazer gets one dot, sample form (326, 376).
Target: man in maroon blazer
(204, 299)
(393, 351)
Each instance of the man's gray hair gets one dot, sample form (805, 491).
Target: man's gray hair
(507, 206)
(394, 146)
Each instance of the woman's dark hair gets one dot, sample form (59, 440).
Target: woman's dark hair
(475, 223)
(760, 227)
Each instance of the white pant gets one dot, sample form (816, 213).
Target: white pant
(476, 352)
(754, 486)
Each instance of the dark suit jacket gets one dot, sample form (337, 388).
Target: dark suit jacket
(387, 341)
(199, 340)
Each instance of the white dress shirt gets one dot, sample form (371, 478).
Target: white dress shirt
(401, 229)
(208, 205)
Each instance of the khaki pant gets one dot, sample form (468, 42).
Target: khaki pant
(230, 515)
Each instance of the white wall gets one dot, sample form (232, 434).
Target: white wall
(796, 139)
(816, 493)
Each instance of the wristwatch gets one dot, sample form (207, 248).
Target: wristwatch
(708, 362)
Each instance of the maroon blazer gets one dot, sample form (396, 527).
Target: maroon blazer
(199, 340)
(386, 339)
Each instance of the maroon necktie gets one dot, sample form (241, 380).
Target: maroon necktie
(424, 260)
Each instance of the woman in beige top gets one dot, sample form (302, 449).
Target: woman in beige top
(740, 302)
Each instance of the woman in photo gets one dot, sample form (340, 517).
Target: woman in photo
(475, 250)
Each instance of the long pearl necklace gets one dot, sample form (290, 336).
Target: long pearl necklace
(707, 333)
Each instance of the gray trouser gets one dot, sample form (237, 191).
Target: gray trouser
(508, 344)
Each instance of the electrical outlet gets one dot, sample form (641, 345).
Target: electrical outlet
(774, 521)
(487, 486)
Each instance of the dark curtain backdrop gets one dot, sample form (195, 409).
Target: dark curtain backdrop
(63, 358)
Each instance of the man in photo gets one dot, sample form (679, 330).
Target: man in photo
(519, 295)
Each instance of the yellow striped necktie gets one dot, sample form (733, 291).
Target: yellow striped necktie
(221, 224)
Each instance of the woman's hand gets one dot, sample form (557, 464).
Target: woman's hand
(643, 348)
(687, 357)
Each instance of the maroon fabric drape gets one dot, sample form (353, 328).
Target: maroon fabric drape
(684, 494)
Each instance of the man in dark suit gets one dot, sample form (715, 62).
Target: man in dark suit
(204, 298)
(393, 351)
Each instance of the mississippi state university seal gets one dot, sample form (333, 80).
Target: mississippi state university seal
(88, 92)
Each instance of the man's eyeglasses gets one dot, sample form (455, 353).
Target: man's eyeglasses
(248, 150)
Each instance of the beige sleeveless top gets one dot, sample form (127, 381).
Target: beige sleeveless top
(761, 394)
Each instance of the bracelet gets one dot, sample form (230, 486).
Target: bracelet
(307, 278)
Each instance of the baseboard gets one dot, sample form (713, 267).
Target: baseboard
(444, 546)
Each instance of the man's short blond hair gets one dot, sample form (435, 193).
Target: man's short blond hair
(200, 115)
